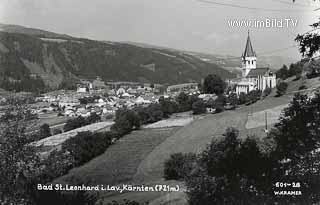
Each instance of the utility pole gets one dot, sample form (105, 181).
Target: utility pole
(266, 121)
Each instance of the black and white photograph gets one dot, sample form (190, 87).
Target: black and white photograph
(159, 102)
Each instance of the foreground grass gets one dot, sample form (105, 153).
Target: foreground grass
(120, 161)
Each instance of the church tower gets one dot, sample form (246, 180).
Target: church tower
(249, 58)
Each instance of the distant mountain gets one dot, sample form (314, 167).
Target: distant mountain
(228, 62)
(233, 63)
(32, 58)
(31, 31)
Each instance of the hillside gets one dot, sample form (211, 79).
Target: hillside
(32, 56)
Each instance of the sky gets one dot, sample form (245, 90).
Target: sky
(195, 25)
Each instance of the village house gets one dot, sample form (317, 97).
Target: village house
(185, 87)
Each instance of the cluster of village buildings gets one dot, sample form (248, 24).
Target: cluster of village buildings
(110, 96)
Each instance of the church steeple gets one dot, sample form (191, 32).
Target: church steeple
(249, 52)
(249, 58)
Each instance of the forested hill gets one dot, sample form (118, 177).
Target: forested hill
(30, 58)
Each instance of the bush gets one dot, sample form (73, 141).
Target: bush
(56, 131)
(125, 121)
(57, 164)
(74, 123)
(267, 91)
(168, 106)
(233, 99)
(87, 145)
(302, 87)
(243, 99)
(80, 121)
(254, 96)
(179, 166)
(183, 102)
(219, 103)
(281, 88)
(199, 107)
(44, 131)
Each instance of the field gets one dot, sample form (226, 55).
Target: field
(58, 139)
(177, 122)
(120, 162)
(138, 158)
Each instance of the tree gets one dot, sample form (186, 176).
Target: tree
(231, 171)
(199, 107)
(282, 88)
(168, 106)
(178, 166)
(297, 138)
(86, 145)
(74, 123)
(19, 162)
(183, 102)
(309, 41)
(44, 131)
(125, 121)
(213, 84)
(283, 72)
(297, 130)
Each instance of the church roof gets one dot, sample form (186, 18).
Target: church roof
(257, 72)
(249, 52)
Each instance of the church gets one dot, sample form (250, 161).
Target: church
(253, 78)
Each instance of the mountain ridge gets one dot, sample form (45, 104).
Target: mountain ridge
(30, 55)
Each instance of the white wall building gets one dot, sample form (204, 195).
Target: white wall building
(253, 78)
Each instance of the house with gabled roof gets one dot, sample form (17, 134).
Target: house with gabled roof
(253, 78)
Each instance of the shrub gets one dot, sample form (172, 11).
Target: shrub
(56, 131)
(183, 102)
(44, 131)
(57, 164)
(87, 145)
(179, 166)
(219, 103)
(302, 87)
(254, 96)
(168, 106)
(267, 91)
(233, 99)
(80, 121)
(199, 107)
(243, 98)
(281, 88)
(74, 123)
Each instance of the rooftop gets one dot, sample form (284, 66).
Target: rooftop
(258, 72)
